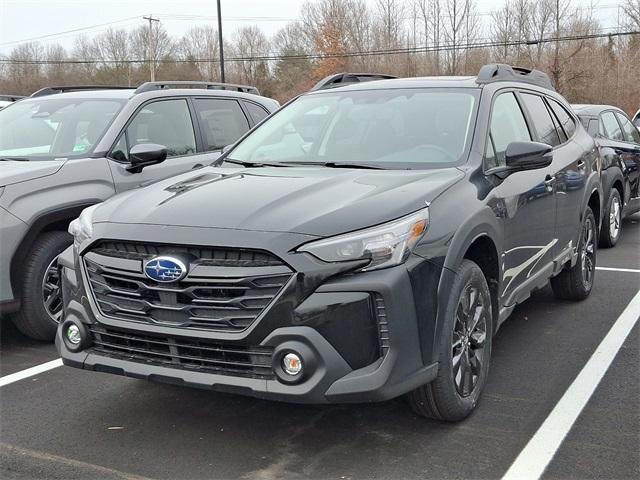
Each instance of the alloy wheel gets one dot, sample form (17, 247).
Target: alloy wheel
(51, 294)
(615, 217)
(587, 255)
(468, 340)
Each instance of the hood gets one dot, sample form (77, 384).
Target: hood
(311, 200)
(15, 172)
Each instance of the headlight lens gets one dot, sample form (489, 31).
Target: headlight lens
(385, 245)
(82, 227)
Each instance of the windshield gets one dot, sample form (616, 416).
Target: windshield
(393, 128)
(54, 127)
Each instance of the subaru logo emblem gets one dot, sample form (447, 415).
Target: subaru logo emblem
(165, 269)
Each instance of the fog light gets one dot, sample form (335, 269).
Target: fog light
(292, 364)
(73, 334)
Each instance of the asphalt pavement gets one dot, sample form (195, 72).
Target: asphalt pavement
(68, 423)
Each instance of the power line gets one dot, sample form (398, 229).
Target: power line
(321, 56)
(75, 30)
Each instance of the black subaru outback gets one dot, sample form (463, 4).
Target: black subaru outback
(364, 242)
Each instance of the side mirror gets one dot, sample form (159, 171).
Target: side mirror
(527, 156)
(144, 155)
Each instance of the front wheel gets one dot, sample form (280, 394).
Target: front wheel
(575, 283)
(465, 350)
(41, 307)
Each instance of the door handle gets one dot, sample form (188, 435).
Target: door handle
(549, 181)
(197, 165)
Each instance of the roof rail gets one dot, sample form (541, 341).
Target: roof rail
(342, 79)
(10, 98)
(499, 72)
(75, 88)
(151, 86)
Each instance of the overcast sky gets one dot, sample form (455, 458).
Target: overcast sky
(22, 20)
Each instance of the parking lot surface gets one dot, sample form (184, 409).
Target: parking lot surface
(68, 423)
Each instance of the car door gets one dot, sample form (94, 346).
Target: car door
(571, 168)
(630, 153)
(167, 122)
(526, 202)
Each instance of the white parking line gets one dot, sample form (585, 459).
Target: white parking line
(30, 372)
(538, 453)
(612, 269)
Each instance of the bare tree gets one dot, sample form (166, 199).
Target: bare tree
(201, 43)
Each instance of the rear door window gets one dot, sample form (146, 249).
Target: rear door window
(631, 133)
(612, 127)
(567, 122)
(507, 125)
(541, 118)
(257, 112)
(222, 122)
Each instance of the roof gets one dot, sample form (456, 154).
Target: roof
(593, 110)
(413, 82)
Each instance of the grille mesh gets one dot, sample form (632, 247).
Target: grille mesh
(183, 353)
(225, 289)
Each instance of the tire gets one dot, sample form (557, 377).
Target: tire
(576, 283)
(448, 397)
(611, 221)
(33, 319)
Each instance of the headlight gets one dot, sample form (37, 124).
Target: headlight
(384, 246)
(82, 227)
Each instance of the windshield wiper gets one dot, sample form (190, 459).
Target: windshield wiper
(252, 164)
(338, 165)
(14, 159)
(352, 165)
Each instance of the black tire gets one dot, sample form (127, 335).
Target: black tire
(448, 397)
(611, 221)
(33, 319)
(576, 283)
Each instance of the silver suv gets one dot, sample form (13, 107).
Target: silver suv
(66, 148)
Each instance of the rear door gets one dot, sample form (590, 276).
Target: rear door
(167, 122)
(571, 169)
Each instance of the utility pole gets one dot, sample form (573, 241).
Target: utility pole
(152, 67)
(220, 43)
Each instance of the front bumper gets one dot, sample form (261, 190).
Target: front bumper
(332, 327)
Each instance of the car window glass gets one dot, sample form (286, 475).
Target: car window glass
(566, 121)
(593, 127)
(167, 123)
(120, 151)
(55, 127)
(611, 127)
(222, 121)
(541, 119)
(396, 128)
(257, 112)
(630, 132)
(507, 125)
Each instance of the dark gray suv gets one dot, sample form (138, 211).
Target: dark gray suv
(364, 242)
(66, 148)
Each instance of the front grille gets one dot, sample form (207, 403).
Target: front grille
(225, 289)
(183, 353)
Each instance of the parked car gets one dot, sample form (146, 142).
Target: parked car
(370, 256)
(619, 143)
(66, 148)
(6, 100)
